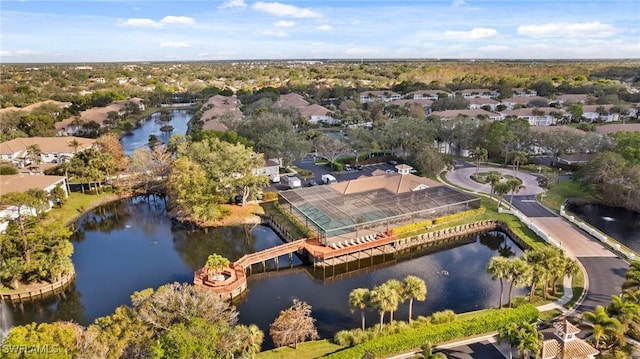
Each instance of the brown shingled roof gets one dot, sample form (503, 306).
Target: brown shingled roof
(23, 183)
(46, 144)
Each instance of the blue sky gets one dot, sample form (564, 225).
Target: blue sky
(145, 30)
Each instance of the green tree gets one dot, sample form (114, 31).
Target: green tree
(493, 178)
(479, 154)
(429, 162)
(58, 195)
(216, 263)
(518, 158)
(501, 188)
(524, 336)
(414, 288)
(359, 298)
(60, 335)
(34, 153)
(75, 144)
(384, 299)
(606, 330)
(575, 109)
(632, 276)
(515, 185)
(398, 289)
(330, 148)
(538, 260)
(519, 272)
(499, 269)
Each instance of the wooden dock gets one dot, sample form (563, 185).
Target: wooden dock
(235, 281)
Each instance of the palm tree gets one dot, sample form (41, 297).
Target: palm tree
(426, 352)
(538, 260)
(216, 263)
(360, 298)
(479, 154)
(253, 338)
(493, 178)
(499, 269)
(383, 299)
(605, 328)
(414, 288)
(398, 288)
(74, 144)
(632, 276)
(524, 336)
(34, 153)
(626, 311)
(518, 158)
(514, 187)
(501, 189)
(559, 267)
(519, 275)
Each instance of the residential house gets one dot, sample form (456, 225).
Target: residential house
(271, 168)
(312, 112)
(22, 183)
(426, 104)
(98, 80)
(613, 128)
(316, 113)
(479, 93)
(429, 94)
(53, 149)
(561, 342)
(476, 114)
(140, 102)
(384, 96)
(512, 102)
(477, 103)
(541, 116)
(600, 113)
(571, 98)
(522, 92)
(34, 106)
(217, 106)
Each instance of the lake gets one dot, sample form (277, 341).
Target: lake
(139, 137)
(130, 245)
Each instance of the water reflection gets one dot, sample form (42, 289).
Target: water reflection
(131, 245)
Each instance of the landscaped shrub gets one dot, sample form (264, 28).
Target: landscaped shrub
(411, 338)
(337, 166)
(428, 223)
(269, 196)
(445, 316)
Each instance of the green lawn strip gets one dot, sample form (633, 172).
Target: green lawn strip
(283, 219)
(307, 350)
(548, 315)
(577, 283)
(77, 204)
(564, 190)
(410, 339)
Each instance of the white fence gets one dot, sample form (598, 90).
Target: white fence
(598, 235)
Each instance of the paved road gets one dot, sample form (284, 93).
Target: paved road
(605, 271)
(529, 206)
(462, 177)
(478, 350)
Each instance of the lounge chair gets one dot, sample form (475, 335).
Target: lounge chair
(333, 245)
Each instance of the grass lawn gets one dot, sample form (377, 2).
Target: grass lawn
(550, 314)
(577, 282)
(240, 214)
(77, 204)
(308, 350)
(556, 196)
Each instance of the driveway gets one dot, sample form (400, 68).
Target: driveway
(606, 275)
(462, 177)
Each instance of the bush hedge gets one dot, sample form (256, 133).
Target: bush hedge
(428, 223)
(411, 338)
(269, 196)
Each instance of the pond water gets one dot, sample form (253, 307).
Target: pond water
(139, 137)
(131, 245)
(619, 223)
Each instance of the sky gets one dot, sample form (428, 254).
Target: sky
(147, 30)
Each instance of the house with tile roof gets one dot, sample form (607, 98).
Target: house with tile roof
(22, 183)
(522, 92)
(53, 149)
(478, 93)
(384, 96)
(216, 107)
(429, 94)
(477, 114)
(561, 342)
(602, 113)
(540, 116)
(478, 103)
(512, 102)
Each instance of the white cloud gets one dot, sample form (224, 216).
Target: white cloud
(149, 23)
(181, 20)
(141, 23)
(283, 23)
(233, 4)
(5, 53)
(477, 33)
(496, 48)
(284, 10)
(175, 44)
(563, 29)
(324, 27)
(276, 33)
(26, 53)
(457, 3)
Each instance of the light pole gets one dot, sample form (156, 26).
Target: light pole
(356, 152)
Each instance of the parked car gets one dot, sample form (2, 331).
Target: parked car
(238, 200)
(392, 162)
(358, 167)
(312, 183)
(347, 167)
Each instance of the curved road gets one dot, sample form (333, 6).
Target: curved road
(605, 270)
